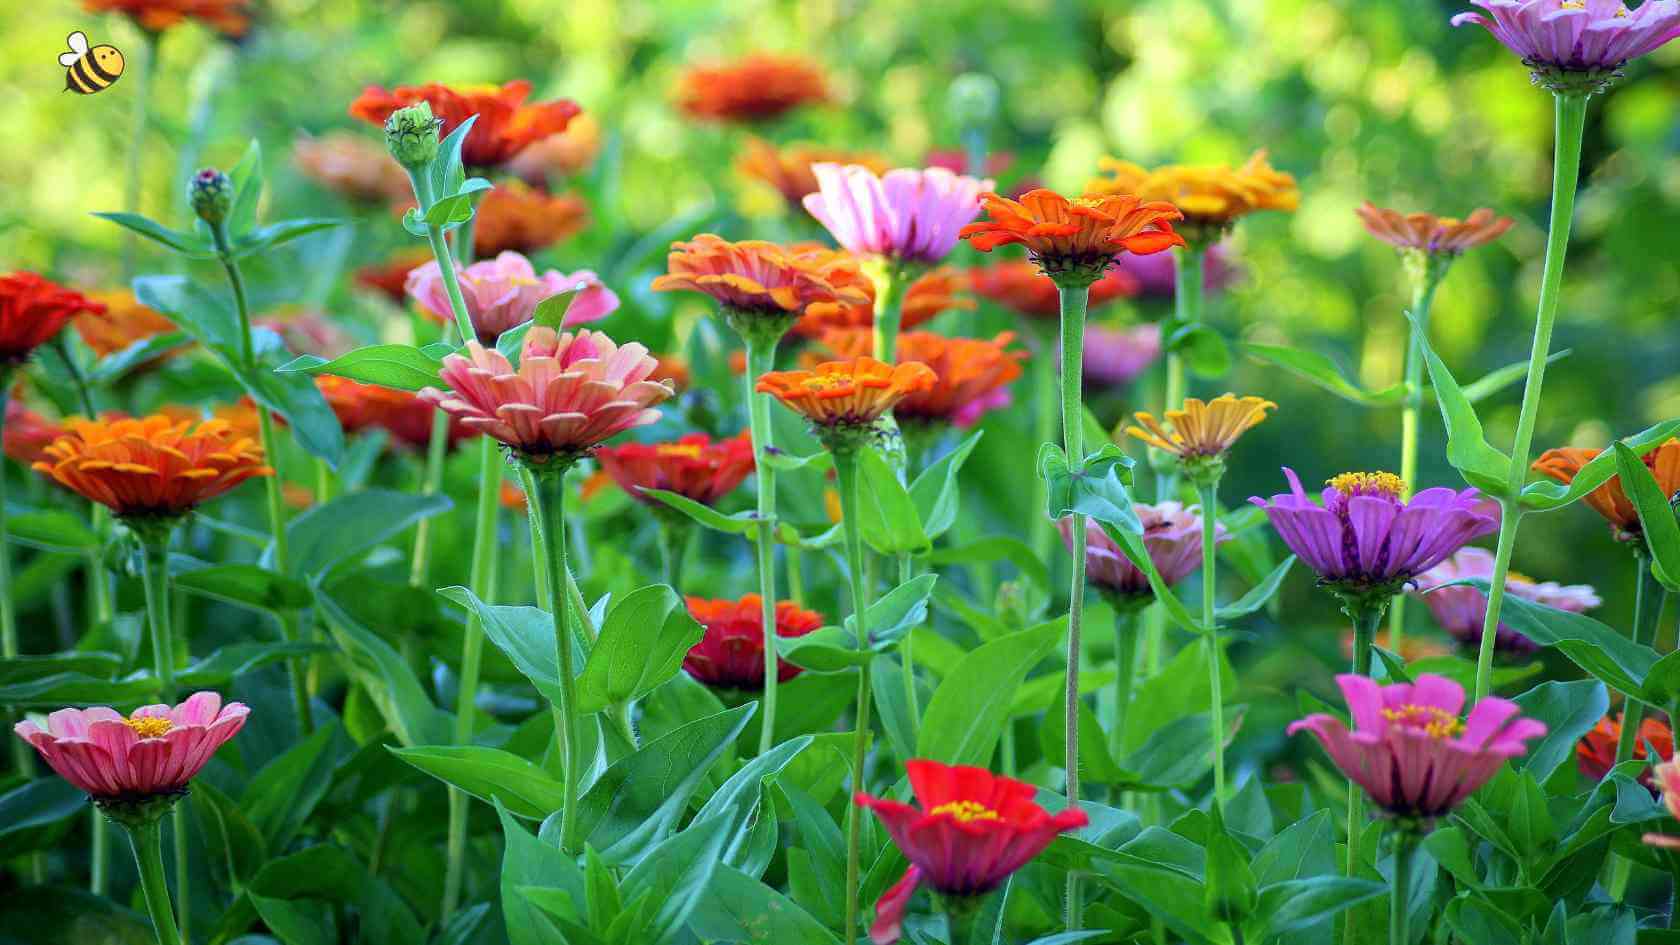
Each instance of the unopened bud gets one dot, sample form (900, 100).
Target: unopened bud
(411, 135)
(972, 100)
(211, 195)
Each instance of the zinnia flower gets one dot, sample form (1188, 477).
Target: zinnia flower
(1116, 356)
(1609, 500)
(788, 169)
(844, 398)
(503, 293)
(969, 830)
(1668, 786)
(754, 281)
(672, 370)
(1428, 233)
(32, 310)
(560, 155)
(401, 413)
(506, 124)
(1212, 197)
(972, 375)
(26, 432)
(1595, 753)
(906, 215)
(1461, 609)
(155, 467)
(1200, 432)
(1172, 534)
(352, 165)
(569, 393)
(1157, 277)
(934, 292)
(1019, 286)
(309, 332)
(389, 278)
(759, 87)
(228, 17)
(118, 321)
(514, 216)
(121, 761)
(1075, 241)
(1568, 41)
(1410, 750)
(731, 654)
(1365, 539)
(694, 466)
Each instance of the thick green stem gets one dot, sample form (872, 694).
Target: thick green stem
(431, 482)
(761, 359)
(1648, 601)
(155, 578)
(1365, 624)
(1187, 310)
(846, 468)
(547, 505)
(1399, 915)
(144, 68)
(451, 284)
(1216, 694)
(1074, 300)
(796, 575)
(539, 541)
(889, 277)
(1510, 513)
(1045, 398)
(1411, 413)
(147, 842)
(1125, 676)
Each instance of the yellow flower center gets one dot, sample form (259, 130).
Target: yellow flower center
(1368, 483)
(966, 811)
(817, 383)
(149, 726)
(1434, 722)
(686, 450)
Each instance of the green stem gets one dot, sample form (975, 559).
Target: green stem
(796, 575)
(451, 284)
(673, 545)
(846, 469)
(1510, 513)
(1423, 296)
(99, 854)
(1125, 675)
(1216, 695)
(432, 481)
(1648, 601)
(147, 842)
(889, 277)
(548, 511)
(1187, 310)
(1399, 916)
(761, 358)
(1045, 398)
(1365, 623)
(539, 541)
(155, 578)
(145, 68)
(236, 281)
(906, 655)
(1074, 300)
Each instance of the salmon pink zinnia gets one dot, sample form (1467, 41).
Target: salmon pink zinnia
(503, 293)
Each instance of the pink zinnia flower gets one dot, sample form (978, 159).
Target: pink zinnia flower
(907, 214)
(1116, 356)
(502, 293)
(1460, 610)
(1171, 533)
(1409, 748)
(1668, 782)
(569, 393)
(155, 751)
(1577, 35)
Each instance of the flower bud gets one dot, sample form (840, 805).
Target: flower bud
(972, 100)
(211, 195)
(411, 135)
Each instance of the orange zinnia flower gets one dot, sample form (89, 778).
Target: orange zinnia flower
(971, 374)
(506, 124)
(390, 278)
(564, 154)
(153, 467)
(788, 169)
(673, 369)
(846, 394)
(352, 165)
(32, 310)
(515, 216)
(935, 291)
(1212, 197)
(1201, 430)
(1075, 241)
(694, 466)
(1609, 500)
(1595, 753)
(26, 433)
(755, 278)
(1428, 233)
(759, 87)
(119, 321)
(228, 17)
(1018, 285)
(400, 413)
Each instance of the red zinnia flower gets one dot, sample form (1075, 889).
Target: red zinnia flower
(515, 216)
(694, 466)
(32, 310)
(506, 124)
(972, 830)
(228, 17)
(1075, 239)
(731, 654)
(1595, 753)
(27, 433)
(759, 87)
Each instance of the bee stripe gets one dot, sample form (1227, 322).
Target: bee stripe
(85, 83)
(98, 70)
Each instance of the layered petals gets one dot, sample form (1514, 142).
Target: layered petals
(156, 751)
(1213, 195)
(1595, 753)
(847, 393)
(1076, 238)
(1577, 35)
(32, 310)
(756, 277)
(231, 18)
(1609, 499)
(933, 292)
(507, 124)
(516, 217)
(972, 375)
(755, 88)
(1172, 534)
(905, 214)
(1428, 233)
(731, 654)
(503, 293)
(694, 467)
(155, 467)
(1460, 609)
(1202, 429)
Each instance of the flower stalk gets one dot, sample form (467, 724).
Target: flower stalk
(1366, 618)
(1648, 602)
(846, 469)
(761, 359)
(1074, 299)
(548, 511)
(154, 573)
(1399, 915)
(1188, 263)
(147, 842)
(1426, 274)
(1216, 649)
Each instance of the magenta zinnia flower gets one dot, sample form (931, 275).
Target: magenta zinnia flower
(569, 393)
(1116, 356)
(1410, 750)
(502, 293)
(908, 215)
(1460, 609)
(1156, 278)
(1577, 35)
(153, 752)
(1365, 540)
(1171, 533)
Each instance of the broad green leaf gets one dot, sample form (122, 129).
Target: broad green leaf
(265, 238)
(1500, 378)
(51, 530)
(1320, 370)
(642, 644)
(34, 815)
(739, 908)
(529, 861)
(1297, 904)
(208, 318)
(1468, 450)
(1100, 489)
(345, 528)
(1570, 710)
(235, 849)
(731, 807)
(1545, 495)
(524, 634)
(892, 615)
(1656, 515)
(403, 367)
(450, 211)
(741, 523)
(1258, 596)
(888, 517)
(247, 180)
(245, 584)
(490, 775)
(995, 548)
(965, 718)
(92, 663)
(296, 398)
(79, 689)
(284, 793)
(1605, 653)
(551, 312)
(936, 491)
(188, 244)
(675, 876)
(386, 678)
(296, 922)
(446, 172)
(117, 364)
(227, 663)
(828, 650)
(1231, 893)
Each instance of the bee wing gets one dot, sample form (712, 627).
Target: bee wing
(67, 59)
(78, 44)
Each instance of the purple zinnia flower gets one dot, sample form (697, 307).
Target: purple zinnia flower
(1364, 540)
(1171, 533)
(1116, 356)
(1410, 750)
(1156, 278)
(1583, 36)
(1460, 610)
(905, 214)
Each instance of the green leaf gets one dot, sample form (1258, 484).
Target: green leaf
(115, 365)
(403, 367)
(446, 173)
(207, 318)
(892, 615)
(51, 530)
(936, 492)
(828, 650)
(490, 775)
(386, 678)
(1656, 515)
(283, 794)
(1545, 495)
(741, 523)
(642, 644)
(265, 238)
(1320, 370)
(739, 908)
(1570, 710)
(295, 397)
(296, 922)
(730, 810)
(1258, 596)
(995, 548)
(79, 689)
(189, 244)
(328, 535)
(452, 210)
(247, 585)
(1468, 450)
(529, 861)
(1231, 893)
(1608, 655)
(228, 663)
(247, 180)
(888, 517)
(1100, 489)
(1203, 349)
(1500, 378)
(965, 718)
(92, 663)
(35, 815)
(551, 312)
(524, 634)
(1298, 904)
(675, 875)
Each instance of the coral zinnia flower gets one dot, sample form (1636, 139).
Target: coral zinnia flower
(153, 752)
(908, 215)
(1212, 197)
(972, 375)
(1365, 539)
(391, 276)
(935, 291)
(506, 124)
(1116, 356)
(1411, 752)
(401, 413)
(1202, 430)
(1578, 36)
(569, 393)
(842, 395)
(503, 293)
(1075, 240)
(564, 154)
(228, 17)
(755, 279)
(119, 321)
(516, 217)
(1171, 532)
(32, 310)
(731, 654)
(971, 830)
(788, 169)
(1609, 500)
(155, 467)
(759, 87)
(1595, 753)
(1428, 233)
(1461, 609)
(26, 433)
(694, 466)
(1019, 286)
(352, 165)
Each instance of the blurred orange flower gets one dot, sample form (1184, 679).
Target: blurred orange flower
(848, 393)
(1075, 240)
(153, 467)
(971, 374)
(788, 169)
(1595, 753)
(1019, 286)
(1211, 196)
(570, 152)
(518, 217)
(1609, 500)
(1429, 233)
(400, 413)
(506, 124)
(119, 321)
(756, 277)
(228, 17)
(935, 291)
(758, 87)
(353, 165)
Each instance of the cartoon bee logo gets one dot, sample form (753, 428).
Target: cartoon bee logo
(90, 70)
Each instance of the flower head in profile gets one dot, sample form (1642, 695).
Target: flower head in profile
(1432, 235)
(1417, 757)
(1075, 241)
(967, 832)
(1595, 753)
(1116, 356)
(507, 124)
(118, 321)
(516, 217)
(761, 286)
(1172, 534)
(843, 399)
(122, 762)
(972, 375)
(400, 413)
(503, 293)
(1610, 500)
(352, 165)
(231, 18)
(788, 170)
(731, 653)
(906, 215)
(935, 291)
(1212, 196)
(569, 394)
(153, 468)
(1019, 286)
(695, 466)
(1460, 609)
(1576, 44)
(26, 433)
(1200, 433)
(755, 88)
(32, 310)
